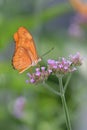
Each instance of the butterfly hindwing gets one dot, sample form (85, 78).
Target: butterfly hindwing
(21, 60)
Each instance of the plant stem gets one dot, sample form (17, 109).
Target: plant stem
(52, 90)
(64, 104)
(66, 84)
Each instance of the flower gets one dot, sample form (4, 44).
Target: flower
(58, 67)
(18, 107)
(37, 69)
(76, 59)
(75, 30)
(61, 66)
(40, 75)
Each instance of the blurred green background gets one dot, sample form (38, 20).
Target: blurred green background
(53, 23)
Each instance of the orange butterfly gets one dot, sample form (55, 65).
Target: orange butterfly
(80, 6)
(25, 54)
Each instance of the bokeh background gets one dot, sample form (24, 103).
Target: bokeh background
(53, 23)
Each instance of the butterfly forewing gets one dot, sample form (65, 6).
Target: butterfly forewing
(25, 51)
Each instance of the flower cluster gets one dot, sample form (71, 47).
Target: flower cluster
(61, 66)
(40, 75)
(57, 67)
(76, 59)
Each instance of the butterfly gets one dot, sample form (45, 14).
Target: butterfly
(25, 54)
(80, 6)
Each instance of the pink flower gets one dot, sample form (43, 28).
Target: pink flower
(37, 69)
(76, 59)
(56, 67)
(39, 76)
(18, 107)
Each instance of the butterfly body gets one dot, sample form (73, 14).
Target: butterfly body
(25, 54)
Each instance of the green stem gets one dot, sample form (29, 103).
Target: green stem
(64, 104)
(51, 89)
(66, 84)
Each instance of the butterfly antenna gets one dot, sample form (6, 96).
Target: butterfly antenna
(47, 52)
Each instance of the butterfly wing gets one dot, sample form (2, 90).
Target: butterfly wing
(21, 60)
(24, 39)
(25, 51)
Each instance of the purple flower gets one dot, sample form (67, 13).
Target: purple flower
(50, 61)
(18, 107)
(76, 59)
(43, 68)
(38, 73)
(56, 67)
(37, 69)
(52, 64)
(49, 71)
(75, 30)
(60, 66)
(32, 80)
(65, 68)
